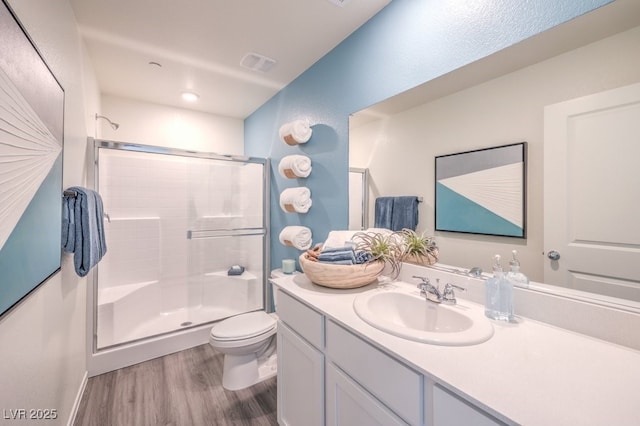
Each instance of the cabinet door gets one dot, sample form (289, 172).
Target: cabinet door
(348, 404)
(388, 380)
(300, 380)
(449, 410)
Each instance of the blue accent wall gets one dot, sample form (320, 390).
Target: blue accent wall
(408, 43)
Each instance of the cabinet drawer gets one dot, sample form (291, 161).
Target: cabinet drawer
(394, 384)
(301, 318)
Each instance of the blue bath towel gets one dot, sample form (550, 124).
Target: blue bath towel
(396, 213)
(405, 213)
(383, 211)
(83, 229)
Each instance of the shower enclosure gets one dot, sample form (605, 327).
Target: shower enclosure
(175, 222)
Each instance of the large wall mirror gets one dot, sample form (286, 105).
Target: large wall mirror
(511, 97)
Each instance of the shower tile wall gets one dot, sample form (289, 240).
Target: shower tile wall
(143, 199)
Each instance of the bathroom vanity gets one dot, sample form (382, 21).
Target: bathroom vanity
(334, 368)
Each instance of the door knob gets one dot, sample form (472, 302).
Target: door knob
(553, 255)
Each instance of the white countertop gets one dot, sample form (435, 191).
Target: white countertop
(528, 373)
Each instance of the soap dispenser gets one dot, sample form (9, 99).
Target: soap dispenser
(499, 294)
(514, 275)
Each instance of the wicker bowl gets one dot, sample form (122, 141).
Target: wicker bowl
(340, 276)
(429, 259)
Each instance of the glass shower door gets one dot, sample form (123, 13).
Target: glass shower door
(177, 221)
(226, 238)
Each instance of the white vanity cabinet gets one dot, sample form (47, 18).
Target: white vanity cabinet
(300, 363)
(390, 382)
(450, 410)
(327, 374)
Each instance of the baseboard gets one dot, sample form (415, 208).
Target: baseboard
(118, 357)
(76, 403)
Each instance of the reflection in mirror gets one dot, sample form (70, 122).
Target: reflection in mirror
(496, 101)
(358, 199)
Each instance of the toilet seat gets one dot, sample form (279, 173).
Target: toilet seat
(243, 326)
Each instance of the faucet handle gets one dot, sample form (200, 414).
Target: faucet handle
(424, 280)
(448, 295)
(450, 287)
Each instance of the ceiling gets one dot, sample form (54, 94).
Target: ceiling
(199, 45)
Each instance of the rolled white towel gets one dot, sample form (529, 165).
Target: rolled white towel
(296, 236)
(295, 132)
(338, 239)
(295, 166)
(296, 200)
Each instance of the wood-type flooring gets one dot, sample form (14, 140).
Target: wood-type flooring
(181, 389)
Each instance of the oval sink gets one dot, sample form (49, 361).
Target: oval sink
(407, 314)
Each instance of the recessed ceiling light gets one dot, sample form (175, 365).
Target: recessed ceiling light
(190, 96)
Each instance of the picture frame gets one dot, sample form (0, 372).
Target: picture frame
(31, 146)
(482, 191)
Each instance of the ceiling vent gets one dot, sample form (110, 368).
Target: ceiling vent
(256, 62)
(340, 3)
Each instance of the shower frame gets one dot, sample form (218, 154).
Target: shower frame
(102, 360)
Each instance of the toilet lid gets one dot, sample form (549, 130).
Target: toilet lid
(243, 326)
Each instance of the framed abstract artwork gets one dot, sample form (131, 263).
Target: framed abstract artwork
(482, 191)
(31, 142)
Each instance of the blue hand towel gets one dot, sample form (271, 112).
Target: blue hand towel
(83, 229)
(404, 213)
(363, 257)
(383, 211)
(340, 262)
(333, 249)
(344, 257)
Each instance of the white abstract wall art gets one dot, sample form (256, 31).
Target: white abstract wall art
(28, 150)
(482, 191)
(31, 145)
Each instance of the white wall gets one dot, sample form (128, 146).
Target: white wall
(42, 340)
(152, 124)
(399, 150)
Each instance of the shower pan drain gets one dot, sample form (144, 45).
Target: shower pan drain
(186, 323)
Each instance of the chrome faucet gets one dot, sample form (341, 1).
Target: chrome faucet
(448, 295)
(428, 290)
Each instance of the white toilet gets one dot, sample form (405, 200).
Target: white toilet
(248, 342)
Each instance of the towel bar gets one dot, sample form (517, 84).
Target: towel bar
(74, 194)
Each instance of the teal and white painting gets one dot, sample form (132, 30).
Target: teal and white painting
(31, 144)
(482, 191)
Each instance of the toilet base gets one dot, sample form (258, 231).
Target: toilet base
(242, 371)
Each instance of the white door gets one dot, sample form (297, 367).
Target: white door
(592, 193)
